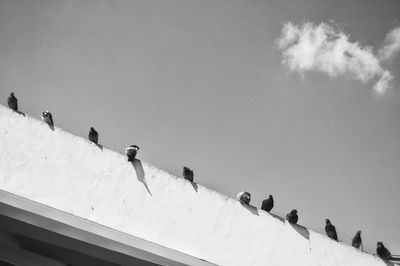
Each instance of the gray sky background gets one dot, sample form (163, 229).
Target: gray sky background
(202, 84)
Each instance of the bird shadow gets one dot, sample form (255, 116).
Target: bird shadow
(277, 217)
(301, 230)
(395, 258)
(20, 113)
(51, 127)
(250, 208)
(194, 185)
(99, 146)
(137, 164)
(388, 263)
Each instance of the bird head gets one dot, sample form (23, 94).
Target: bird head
(270, 196)
(294, 211)
(135, 147)
(12, 94)
(379, 244)
(359, 232)
(91, 129)
(327, 221)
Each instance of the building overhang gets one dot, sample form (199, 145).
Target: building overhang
(32, 224)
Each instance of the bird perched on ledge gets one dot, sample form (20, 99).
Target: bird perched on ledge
(244, 197)
(330, 230)
(188, 173)
(292, 217)
(48, 118)
(12, 102)
(382, 251)
(356, 241)
(131, 152)
(93, 135)
(268, 204)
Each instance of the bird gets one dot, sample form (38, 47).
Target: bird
(188, 173)
(244, 197)
(93, 135)
(356, 241)
(12, 102)
(382, 252)
(48, 118)
(330, 230)
(268, 204)
(292, 217)
(131, 152)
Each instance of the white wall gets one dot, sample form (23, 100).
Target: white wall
(73, 175)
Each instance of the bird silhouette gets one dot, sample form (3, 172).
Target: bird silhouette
(382, 251)
(12, 102)
(244, 197)
(356, 241)
(330, 230)
(131, 152)
(93, 135)
(268, 204)
(48, 118)
(188, 173)
(292, 217)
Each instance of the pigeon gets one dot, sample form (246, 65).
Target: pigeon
(12, 102)
(268, 204)
(330, 230)
(93, 135)
(383, 252)
(244, 197)
(356, 241)
(131, 152)
(48, 118)
(292, 217)
(188, 173)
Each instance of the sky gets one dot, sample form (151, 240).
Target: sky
(298, 99)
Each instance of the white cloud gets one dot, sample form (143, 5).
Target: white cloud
(384, 82)
(323, 48)
(392, 44)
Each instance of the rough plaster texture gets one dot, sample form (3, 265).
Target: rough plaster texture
(71, 174)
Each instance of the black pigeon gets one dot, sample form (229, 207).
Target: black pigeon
(330, 230)
(47, 118)
(12, 102)
(383, 252)
(188, 173)
(292, 217)
(93, 135)
(131, 152)
(268, 204)
(356, 241)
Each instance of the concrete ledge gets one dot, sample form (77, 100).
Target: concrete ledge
(151, 212)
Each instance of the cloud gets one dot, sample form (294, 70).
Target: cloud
(383, 82)
(391, 46)
(323, 48)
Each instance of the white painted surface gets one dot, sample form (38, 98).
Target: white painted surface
(73, 175)
(82, 236)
